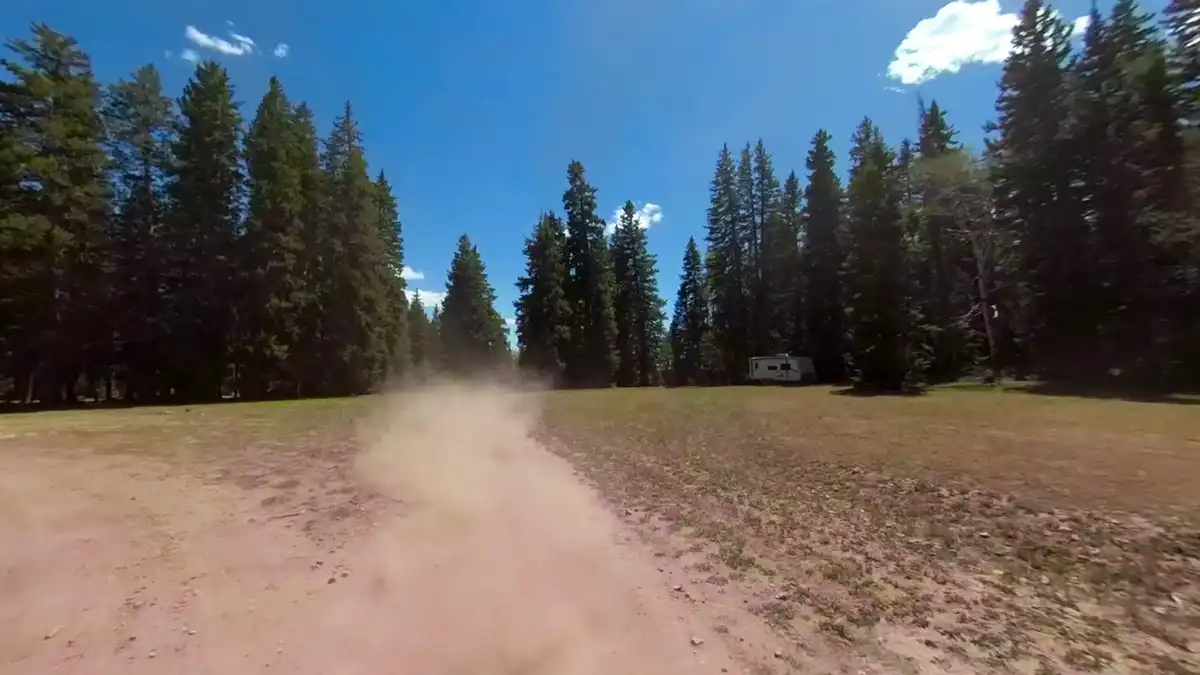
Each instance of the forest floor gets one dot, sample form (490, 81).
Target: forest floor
(738, 530)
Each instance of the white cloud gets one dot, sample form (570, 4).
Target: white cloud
(961, 33)
(896, 90)
(281, 50)
(649, 214)
(1081, 24)
(189, 55)
(240, 46)
(409, 274)
(428, 298)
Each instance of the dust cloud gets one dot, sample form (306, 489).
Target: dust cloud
(503, 560)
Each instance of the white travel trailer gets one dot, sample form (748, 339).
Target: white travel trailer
(782, 368)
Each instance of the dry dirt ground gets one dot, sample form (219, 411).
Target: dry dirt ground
(699, 531)
(425, 534)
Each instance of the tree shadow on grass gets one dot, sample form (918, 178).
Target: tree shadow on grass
(1092, 390)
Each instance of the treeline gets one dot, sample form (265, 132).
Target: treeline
(1068, 248)
(157, 249)
(167, 250)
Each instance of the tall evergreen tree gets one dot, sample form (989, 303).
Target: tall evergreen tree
(689, 326)
(1032, 159)
(726, 274)
(591, 359)
(316, 254)
(638, 309)
(874, 273)
(543, 312)
(822, 262)
(473, 333)
(272, 294)
(939, 256)
(206, 199)
(140, 122)
(420, 337)
(56, 238)
(783, 244)
(395, 331)
(356, 308)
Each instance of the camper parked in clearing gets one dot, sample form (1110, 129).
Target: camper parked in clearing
(782, 368)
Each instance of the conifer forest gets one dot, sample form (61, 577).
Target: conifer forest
(158, 247)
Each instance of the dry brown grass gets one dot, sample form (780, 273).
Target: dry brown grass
(1000, 529)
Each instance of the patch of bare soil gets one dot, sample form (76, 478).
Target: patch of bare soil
(442, 540)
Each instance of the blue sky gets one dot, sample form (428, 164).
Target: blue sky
(475, 108)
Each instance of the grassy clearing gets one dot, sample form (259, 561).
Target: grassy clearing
(1011, 529)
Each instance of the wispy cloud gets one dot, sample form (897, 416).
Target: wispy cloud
(237, 45)
(961, 33)
(648, 214)
(428, 298)
(189, 55)
(281, 50)
(896, 90)
(409, 274)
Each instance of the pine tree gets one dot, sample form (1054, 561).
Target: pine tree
(783, 241)
(272, 258)
(689, 326)
(1032, 170)
(206, 200)
(140, 122)
(55, 239)
(355, 329)
(316, 255)
(591, 359)
(637, 305)
(420, 337)
(396, 334)
(940, 257)
(822, 262)
(726, 276)
(543, 314)
(473, 333)
(874, 273)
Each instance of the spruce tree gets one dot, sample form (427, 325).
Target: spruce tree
(140, 122)
(420, 337)
(56, 237)
(206, 192)
(783, 237)
(472, 332)
(940, 257)
(272, 257)
(543, 313)
(316, 255)
(726, 275)
(1033, 161)
(355, 328)
(591, 359)
(689, 326)
(874, 274)
(396, 335)
(822, 262)
(637, 305)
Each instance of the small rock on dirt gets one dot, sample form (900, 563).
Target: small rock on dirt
(332, 580)
(696, 642)
(52, 633)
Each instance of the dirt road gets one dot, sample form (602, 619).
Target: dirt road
(451, 543)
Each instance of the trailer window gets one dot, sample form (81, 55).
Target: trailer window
(786, 365)
(772, 368)
(756, 365)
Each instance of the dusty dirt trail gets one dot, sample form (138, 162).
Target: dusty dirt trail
(490, 556)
